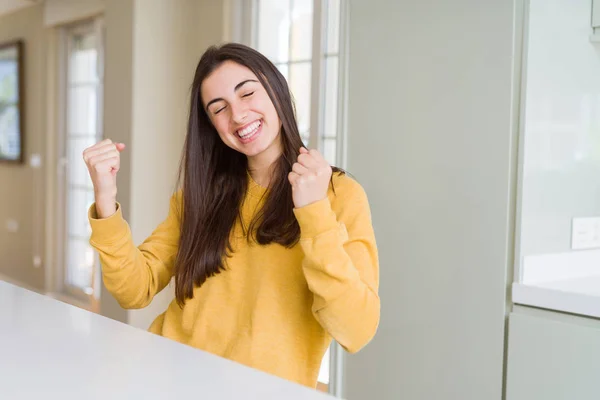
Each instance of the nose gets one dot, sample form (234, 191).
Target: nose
(239, 113)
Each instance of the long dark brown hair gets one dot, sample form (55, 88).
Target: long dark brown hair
(214, 177)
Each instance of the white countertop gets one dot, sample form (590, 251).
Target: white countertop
(52, 350)
(576, 296)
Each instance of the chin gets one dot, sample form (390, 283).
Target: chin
(254, 152)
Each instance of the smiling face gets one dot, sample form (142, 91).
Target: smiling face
(242, 112)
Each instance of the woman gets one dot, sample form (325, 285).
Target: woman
(272, 255)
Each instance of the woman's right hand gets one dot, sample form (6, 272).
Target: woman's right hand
(103, 161)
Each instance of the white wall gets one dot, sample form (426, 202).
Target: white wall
(22, 188)
(118, 93)
(430, 140)
(562, 125)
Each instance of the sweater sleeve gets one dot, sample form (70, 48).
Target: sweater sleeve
(341, 267)
(134, 275)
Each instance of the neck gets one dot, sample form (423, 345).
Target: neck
(261, 165)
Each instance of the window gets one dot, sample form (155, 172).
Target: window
(305, 39)
(285, 37)
(302, 38)
(328, 134)
(81, 128)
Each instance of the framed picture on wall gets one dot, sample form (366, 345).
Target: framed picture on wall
(11, 102)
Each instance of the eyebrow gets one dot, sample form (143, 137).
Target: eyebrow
(237, 87)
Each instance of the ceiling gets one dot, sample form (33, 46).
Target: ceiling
(8, 6)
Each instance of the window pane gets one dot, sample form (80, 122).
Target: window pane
(302, 24)
(329, 150)
(78, 203)
(80, 256)
(324, 371)
(274, 29)
(9, 75)
(9, 125)
(331, 96)
(82, 110)
(284, 69)
(333, 26)
(300, 85)
(78, 174)
(82, 63)
(305, 136)
(83, 42)
(82, 88)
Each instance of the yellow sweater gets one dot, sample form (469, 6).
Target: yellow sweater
(274, 309)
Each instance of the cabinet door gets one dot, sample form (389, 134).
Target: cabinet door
(552, 356)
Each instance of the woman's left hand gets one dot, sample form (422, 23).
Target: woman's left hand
(310, 178)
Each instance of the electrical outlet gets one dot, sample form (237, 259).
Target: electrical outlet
(35, 161)
(585, 233)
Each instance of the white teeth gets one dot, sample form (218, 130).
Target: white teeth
(249, 130)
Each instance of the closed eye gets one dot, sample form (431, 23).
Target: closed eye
(248, 94)
(219, 110)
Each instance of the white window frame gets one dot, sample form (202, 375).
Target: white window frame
(60, 286)
(239, 27)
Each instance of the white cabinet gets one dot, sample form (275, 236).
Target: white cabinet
(552, 356)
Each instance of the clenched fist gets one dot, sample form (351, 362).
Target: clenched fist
(309, 178)
(103, 161)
